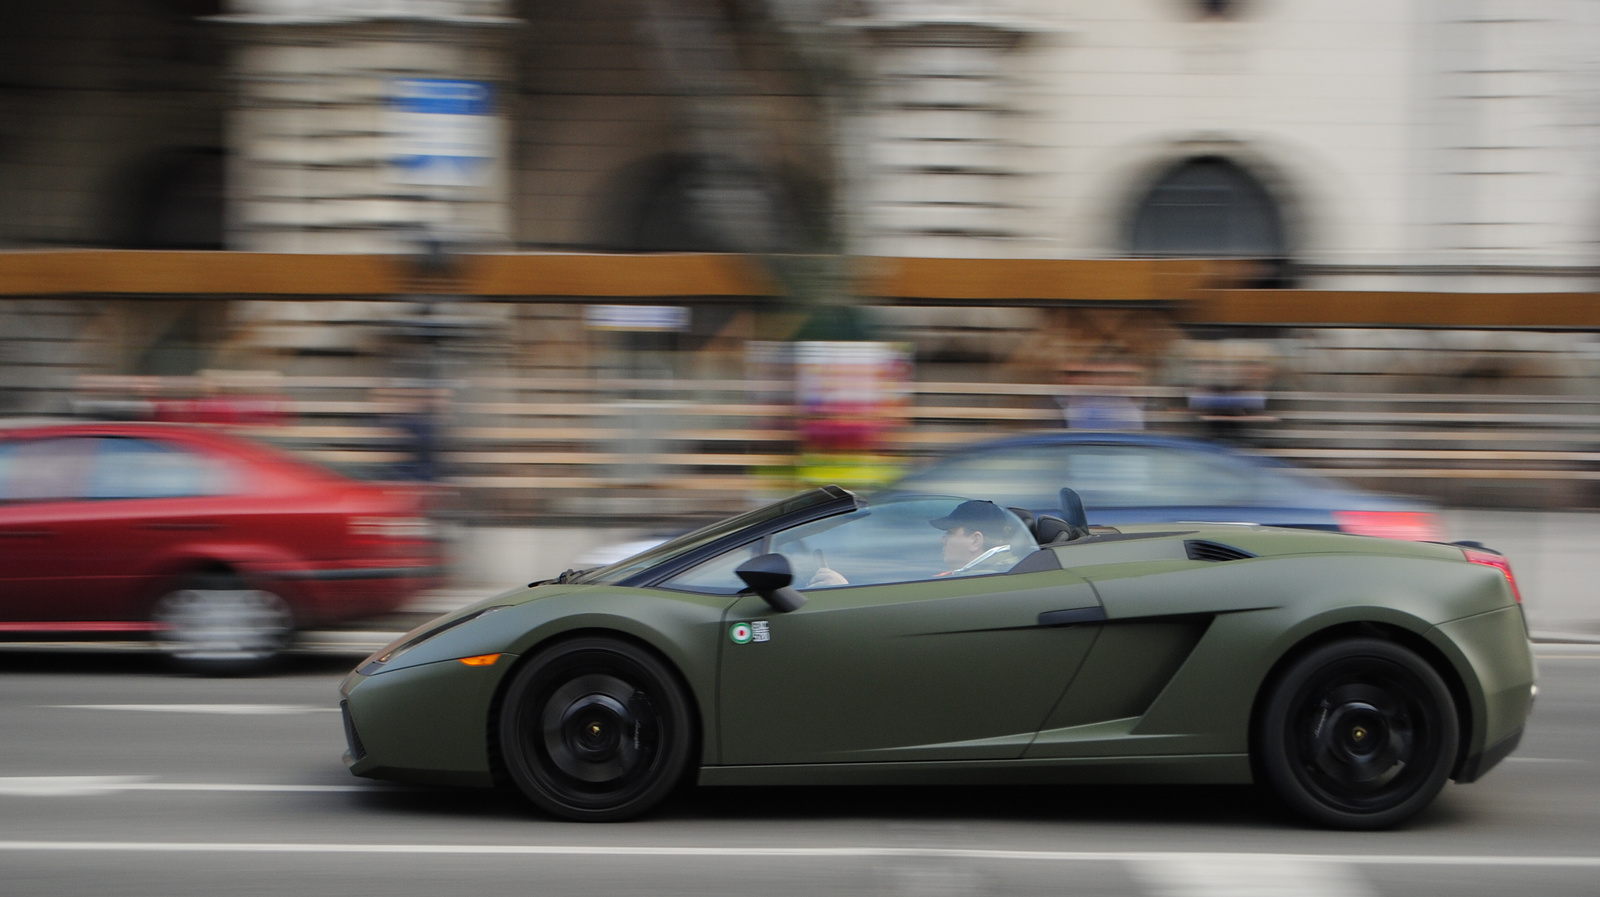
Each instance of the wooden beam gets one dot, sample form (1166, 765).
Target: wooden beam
(615, 276)
(1349, 308)
(1088, 280)
(172, 273)
(1191, 285)
(135, 272)
(169, 273)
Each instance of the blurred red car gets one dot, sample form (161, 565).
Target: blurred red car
(216, 547)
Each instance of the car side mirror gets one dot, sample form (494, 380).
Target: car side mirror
(771, 577)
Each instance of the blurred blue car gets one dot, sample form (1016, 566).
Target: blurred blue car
(1126, 478)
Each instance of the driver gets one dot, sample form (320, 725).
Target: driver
(977, 539)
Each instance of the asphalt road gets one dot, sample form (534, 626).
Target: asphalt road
(117, 777)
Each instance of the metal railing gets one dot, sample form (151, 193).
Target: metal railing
(547, 449)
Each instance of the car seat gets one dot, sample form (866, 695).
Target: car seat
(1074, 524)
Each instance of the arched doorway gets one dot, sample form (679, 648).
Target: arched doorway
(171, 199)
(1208, 207)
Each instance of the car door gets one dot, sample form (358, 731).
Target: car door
(147, 501)
(42, 485)
(87, 519)
(1160, 603)
(902, 663)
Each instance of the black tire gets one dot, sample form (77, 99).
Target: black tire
(1358, 734)
(217, 625)
(595, 730)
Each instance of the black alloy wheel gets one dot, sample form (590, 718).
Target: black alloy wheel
(1358, 734)
(595, 729)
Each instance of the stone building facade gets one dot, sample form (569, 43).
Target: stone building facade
(1385, 143)
(1432, 144)
(1420, 147)
(1348, 144)
(111, 124)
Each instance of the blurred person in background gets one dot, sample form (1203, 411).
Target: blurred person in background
(1228, 392)
(1098, 400)
(416, 412)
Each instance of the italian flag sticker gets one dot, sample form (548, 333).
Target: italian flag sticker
(740, 633)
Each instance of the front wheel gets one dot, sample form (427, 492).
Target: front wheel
(1358, 734)
(595, 729)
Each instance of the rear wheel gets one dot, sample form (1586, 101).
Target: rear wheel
(595, 729)
(1358, 734)
(216, 624)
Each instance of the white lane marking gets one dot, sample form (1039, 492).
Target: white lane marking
(579, 850)
(1257, 876)
(353, 648)
(68, 786)
(96, 786)
(234, 709)
(1542, 760)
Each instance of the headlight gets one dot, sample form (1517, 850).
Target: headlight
(405, 643)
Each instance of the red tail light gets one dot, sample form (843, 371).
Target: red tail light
(1490, 559)
(1418, 526)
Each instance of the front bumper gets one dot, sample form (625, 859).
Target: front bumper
(427, 723)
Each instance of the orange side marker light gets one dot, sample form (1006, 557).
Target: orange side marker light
(482, 660)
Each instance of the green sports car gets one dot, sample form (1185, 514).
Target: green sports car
(922, 640)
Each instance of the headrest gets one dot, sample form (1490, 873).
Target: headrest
(1072, 509)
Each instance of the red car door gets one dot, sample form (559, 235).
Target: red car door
(88, 522)
(148, 501)
(42, 553)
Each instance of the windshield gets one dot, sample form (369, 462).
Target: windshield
(900, 540)
(666, 551)
(904, 539)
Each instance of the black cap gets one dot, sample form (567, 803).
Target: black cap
(982, 516)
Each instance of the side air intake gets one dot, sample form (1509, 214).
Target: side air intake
(357, 749)
(1201, 550)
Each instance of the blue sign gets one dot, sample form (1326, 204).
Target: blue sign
(443, 131)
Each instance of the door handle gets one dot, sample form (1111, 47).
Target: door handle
(181, 525)
(26, 533)
(1072, 616)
